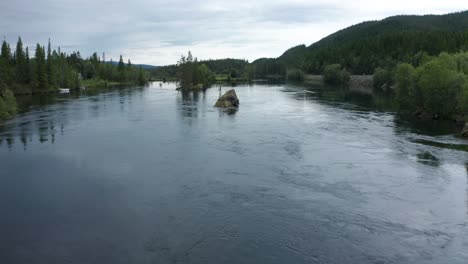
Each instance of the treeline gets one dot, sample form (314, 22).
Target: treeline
(223, 68)
(363, 47)
(49, 69)
(386, 50)
(228, 69)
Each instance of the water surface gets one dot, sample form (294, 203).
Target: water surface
(297, 175)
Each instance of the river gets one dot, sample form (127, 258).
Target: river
(296, 175)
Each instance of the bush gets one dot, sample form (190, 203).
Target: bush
(7, 104)
(406, 95)
(295, 75)
(89, 70)
(382, 77)
(333, 74)
(440, 86)
(463, 99)
(3, 111)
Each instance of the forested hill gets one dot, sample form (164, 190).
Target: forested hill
(363, 47)
(448, 22)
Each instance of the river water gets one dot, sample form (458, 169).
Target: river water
(296, 175)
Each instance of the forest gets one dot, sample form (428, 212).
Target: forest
(360, 49)
(436, 87)
(49, 69)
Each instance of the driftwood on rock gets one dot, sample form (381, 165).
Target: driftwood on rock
(229, 99)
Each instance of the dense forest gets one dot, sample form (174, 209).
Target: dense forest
(436, 88)
(49, 69)
(364, 47)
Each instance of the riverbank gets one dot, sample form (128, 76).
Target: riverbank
(357, 83)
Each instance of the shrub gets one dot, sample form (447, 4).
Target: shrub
(7, 105)
(406, 94)
(382, 77)
(440, 86)
(295, 75)
(333, 74)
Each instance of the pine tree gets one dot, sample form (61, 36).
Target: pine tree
(41, 82)
(50, 72)
(121, 69)
(29, 71)
(21, 63)
(121, 66)
(6, 51)
(141, 77)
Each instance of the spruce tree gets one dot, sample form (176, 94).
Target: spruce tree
(5, 61)
(121, 69)
(40, 82)
(50, 72)
(21, 63)
(6, 51)
(121, 66)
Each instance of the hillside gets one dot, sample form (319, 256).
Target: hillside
(367, 45)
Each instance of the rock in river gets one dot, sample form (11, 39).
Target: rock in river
(229, 99)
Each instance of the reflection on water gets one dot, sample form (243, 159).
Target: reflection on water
(300, 174)
(189, 102)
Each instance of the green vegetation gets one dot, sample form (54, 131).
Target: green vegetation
(383, 78)
(295, 75)
(439, 86)
(335, 74)
(362, 48)
(193, 75)
(224, 70)
(269, 68)
(7, 104)
(51, 69)
(422, 58)
(374, 47)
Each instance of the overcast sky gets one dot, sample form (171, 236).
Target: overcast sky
(157, 32)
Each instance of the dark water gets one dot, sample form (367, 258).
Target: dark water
(150, 175)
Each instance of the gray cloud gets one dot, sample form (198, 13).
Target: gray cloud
(157, 32)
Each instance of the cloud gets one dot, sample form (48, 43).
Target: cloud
(157, 32)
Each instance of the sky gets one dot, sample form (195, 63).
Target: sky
(158, 32)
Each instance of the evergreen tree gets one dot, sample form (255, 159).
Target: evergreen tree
(50, 72)
(6, 51)
(28, 67)
(40, 82)
(22, 73)
(121, 65)
(141, 77)
(5, 61)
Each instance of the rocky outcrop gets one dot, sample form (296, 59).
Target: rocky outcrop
(228, 100)
(464, 132)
